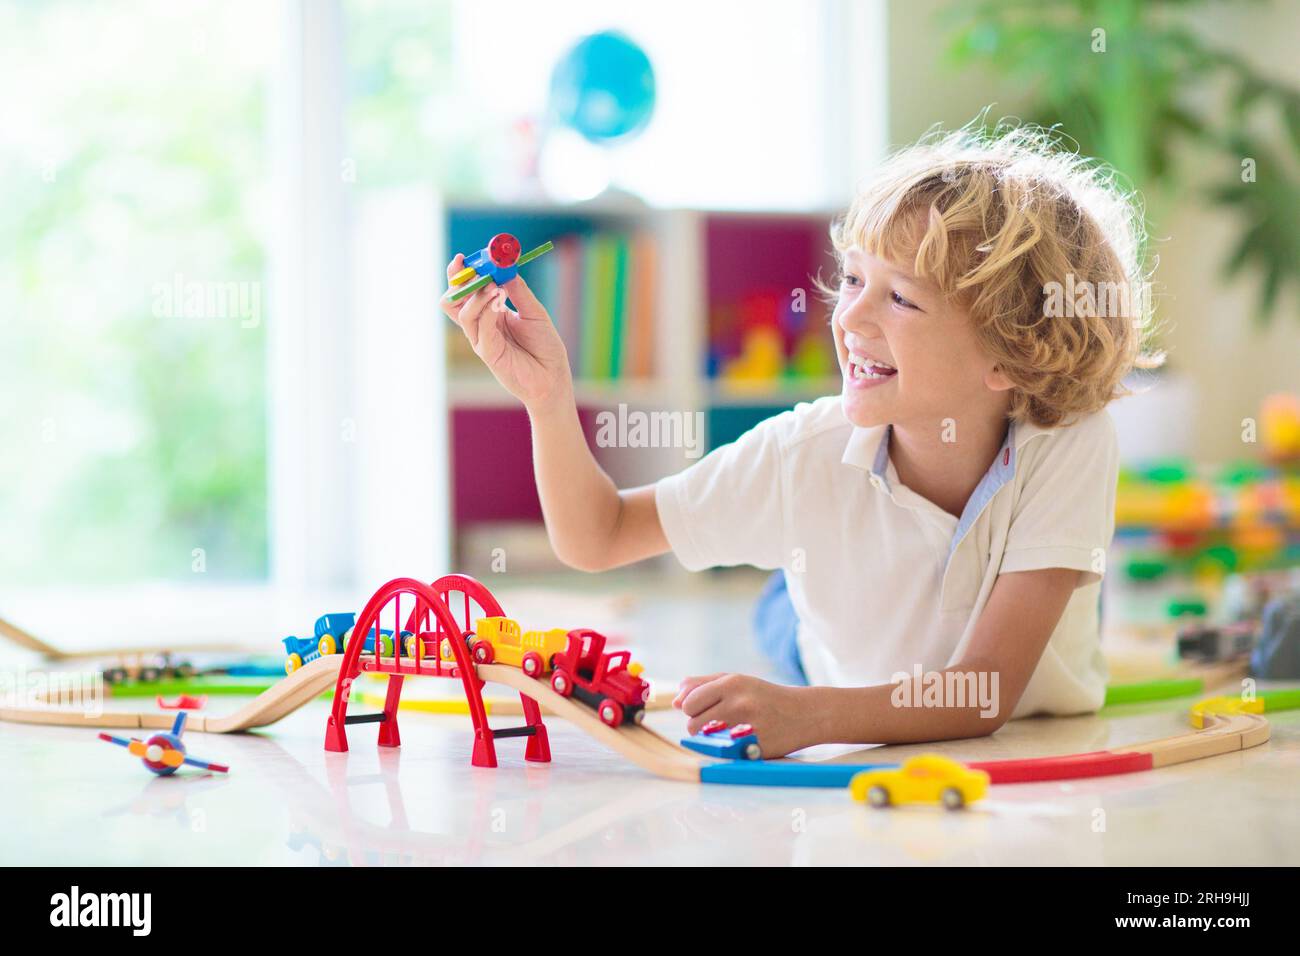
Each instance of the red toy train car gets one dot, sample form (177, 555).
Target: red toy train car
(608, 682)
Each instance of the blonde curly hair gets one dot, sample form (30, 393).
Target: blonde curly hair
(1041, 247)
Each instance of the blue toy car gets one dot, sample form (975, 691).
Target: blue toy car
(716, 739)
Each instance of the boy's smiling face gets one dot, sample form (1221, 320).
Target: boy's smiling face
(909, 357)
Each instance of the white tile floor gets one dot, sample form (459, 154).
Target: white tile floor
(70, 799)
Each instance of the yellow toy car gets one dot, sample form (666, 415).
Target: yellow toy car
(928, 778)
(498, 640)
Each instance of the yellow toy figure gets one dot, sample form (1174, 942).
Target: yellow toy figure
(761, 359)
(1279, 427)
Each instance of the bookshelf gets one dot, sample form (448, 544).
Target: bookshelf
(663, 310)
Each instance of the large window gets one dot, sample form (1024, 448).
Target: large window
(211, 268)
(132, 169)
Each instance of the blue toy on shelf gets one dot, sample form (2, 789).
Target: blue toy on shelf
(716, 739)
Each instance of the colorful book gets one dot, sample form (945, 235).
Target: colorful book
(641, 353)
(568, 296)
(597, 305)
(587, 316)
(618, 303)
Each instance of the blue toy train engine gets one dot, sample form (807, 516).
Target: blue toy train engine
(331, 635)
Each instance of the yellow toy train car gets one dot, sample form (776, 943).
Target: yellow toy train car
(499, 640)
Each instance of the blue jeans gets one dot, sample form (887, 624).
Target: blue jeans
(775, 628)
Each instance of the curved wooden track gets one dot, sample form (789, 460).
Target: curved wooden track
(26, 639)
(1222, 733)
(637, 743)
(305, 684)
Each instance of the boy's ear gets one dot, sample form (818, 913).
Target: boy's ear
(996, 380)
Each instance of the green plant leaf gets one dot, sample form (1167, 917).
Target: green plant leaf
(1152, 90)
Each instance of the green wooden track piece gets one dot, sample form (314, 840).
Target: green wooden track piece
(217, 686)
(1149, 690)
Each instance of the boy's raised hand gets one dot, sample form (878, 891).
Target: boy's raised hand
(522, 349)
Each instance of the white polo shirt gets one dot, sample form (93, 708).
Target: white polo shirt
(882, 579)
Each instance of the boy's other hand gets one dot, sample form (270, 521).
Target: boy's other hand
(777, 713)
(522, 349)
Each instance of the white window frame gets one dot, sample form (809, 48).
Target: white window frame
(357, 488)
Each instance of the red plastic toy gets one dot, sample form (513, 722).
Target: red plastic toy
(605, 681)
(442, 615)
(183, 702)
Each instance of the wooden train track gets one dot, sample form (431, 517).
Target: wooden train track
(31, 642)
(305, 684)
(1221, 734)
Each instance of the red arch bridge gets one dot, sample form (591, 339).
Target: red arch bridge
(443, 610)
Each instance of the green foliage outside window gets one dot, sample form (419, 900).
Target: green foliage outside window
(134, 154)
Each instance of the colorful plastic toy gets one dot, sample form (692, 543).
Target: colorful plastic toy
(441, 614)
(929, 778)
(443, 609)
(497, 640)
(1267, 701)
(498, 262)
(608, 682)
(1211, 522)
(761, 358)
(1186, 606)
(299, 651)
(718, 740)
(183, 702)
(1279, 425)
(332, 632)
(162, 676)
(1217, 643)
(164, 753)
(147, 669)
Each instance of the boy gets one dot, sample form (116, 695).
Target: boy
(942, 523)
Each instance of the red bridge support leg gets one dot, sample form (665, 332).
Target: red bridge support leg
(336, 738)
(388, 732)
(485, 751)
(539, 745)
(336, 732)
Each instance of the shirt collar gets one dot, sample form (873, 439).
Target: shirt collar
(868, 449)
(1000, 472)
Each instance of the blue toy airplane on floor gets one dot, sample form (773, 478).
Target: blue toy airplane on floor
(164, 753)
